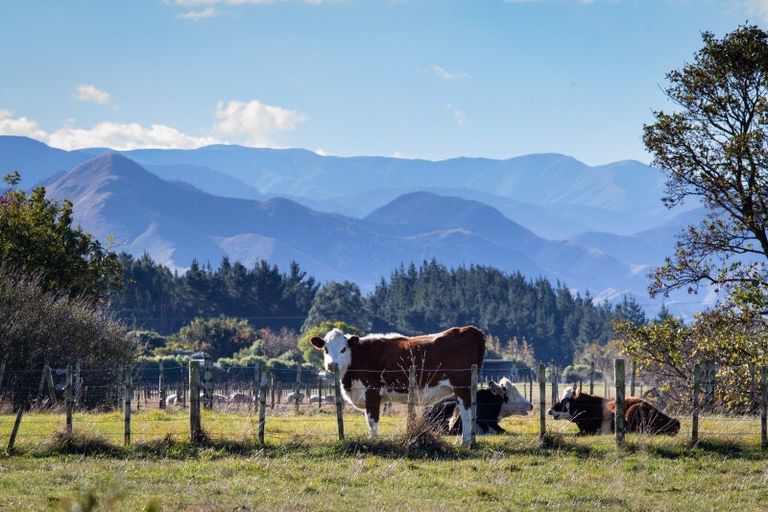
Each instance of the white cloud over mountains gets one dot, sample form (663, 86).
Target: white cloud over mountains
(249, 122)
(91, 94)
(255, 121)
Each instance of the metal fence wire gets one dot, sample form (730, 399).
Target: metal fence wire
(134, 403)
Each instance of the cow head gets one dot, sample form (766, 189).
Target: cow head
(562, 409)
(337, 348)
(514, 403)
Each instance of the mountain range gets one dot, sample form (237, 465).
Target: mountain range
(593, 228)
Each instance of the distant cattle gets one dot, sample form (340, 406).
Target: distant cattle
(242, 398)
(493, 404)
(595, 415)
(295, 397)
(375, 368)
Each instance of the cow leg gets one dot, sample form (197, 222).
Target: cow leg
(465, 411)
(372, 407)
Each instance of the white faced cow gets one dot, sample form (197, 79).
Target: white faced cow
(375, 368)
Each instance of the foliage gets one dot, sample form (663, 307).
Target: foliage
(154, 297)
(714, 149)
(40, 327)
(218, 337)
(579, 372)
(513, 350)
(146, 341)
(339, 302)
(553, 321)
(37, 237)
(602, 354)
(313, 356)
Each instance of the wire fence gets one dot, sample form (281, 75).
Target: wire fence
(132, 404)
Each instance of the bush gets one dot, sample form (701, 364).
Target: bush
(579, 372)
(39, 327)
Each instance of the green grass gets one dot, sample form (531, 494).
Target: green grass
(303, 467)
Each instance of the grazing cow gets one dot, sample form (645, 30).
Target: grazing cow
(375, 368)
(595, 415)
(493, 404)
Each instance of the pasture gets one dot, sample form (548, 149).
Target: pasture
(303, 467)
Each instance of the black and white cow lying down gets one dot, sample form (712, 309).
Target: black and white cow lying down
(493, 404)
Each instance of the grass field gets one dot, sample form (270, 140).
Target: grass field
(303, 467)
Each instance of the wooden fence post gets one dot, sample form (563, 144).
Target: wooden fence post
(333, 367)
(68, 394)
(473, 399)
(592, 378)
(297, 389)
(51, 386)
(632, 379)
(15, 430)
(128, 388)
(411, 395)
(319, 391)
(208, 384)
(764, 407)
(161, 385)
(554, 391)
(262, 404)
(542, 402)
(78, 385)
(695, 412)
(119, 386)
(618, 367)
(40, 388)
(195, 430)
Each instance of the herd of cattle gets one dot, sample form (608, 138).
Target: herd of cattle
(372, 370)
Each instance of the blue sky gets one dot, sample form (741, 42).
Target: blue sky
(415, 78)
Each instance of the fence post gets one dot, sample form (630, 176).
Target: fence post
(51, 386)
(119, 386)
(632, 379)
(208, 384)
(68, 391)
(542, 402)
(695, 414)
(78, 385)
(339, 405)
(411, 395)
(195, 430)
(764, 407)
(272, 390)
(128, 388)
(618, 368)
(592, 378)
(473, 398)
(15, 430)
(319, 391)
(555, 393)
(530, 384)
(40, 388)
(262, 404)
(297, 389)
(161, 386)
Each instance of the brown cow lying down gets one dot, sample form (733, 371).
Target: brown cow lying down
(595, 415)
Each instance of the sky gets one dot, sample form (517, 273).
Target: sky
(431, 79)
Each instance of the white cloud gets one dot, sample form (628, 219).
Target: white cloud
(443, 73)
(250, 122)
(19, 126)
(208, 12)
(125, 136)
(89, 93)
(255, 121)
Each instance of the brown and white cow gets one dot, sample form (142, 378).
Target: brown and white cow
(374, 368)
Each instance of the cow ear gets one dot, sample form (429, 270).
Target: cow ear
(496, 389)
(317, 342)
(353, 340)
